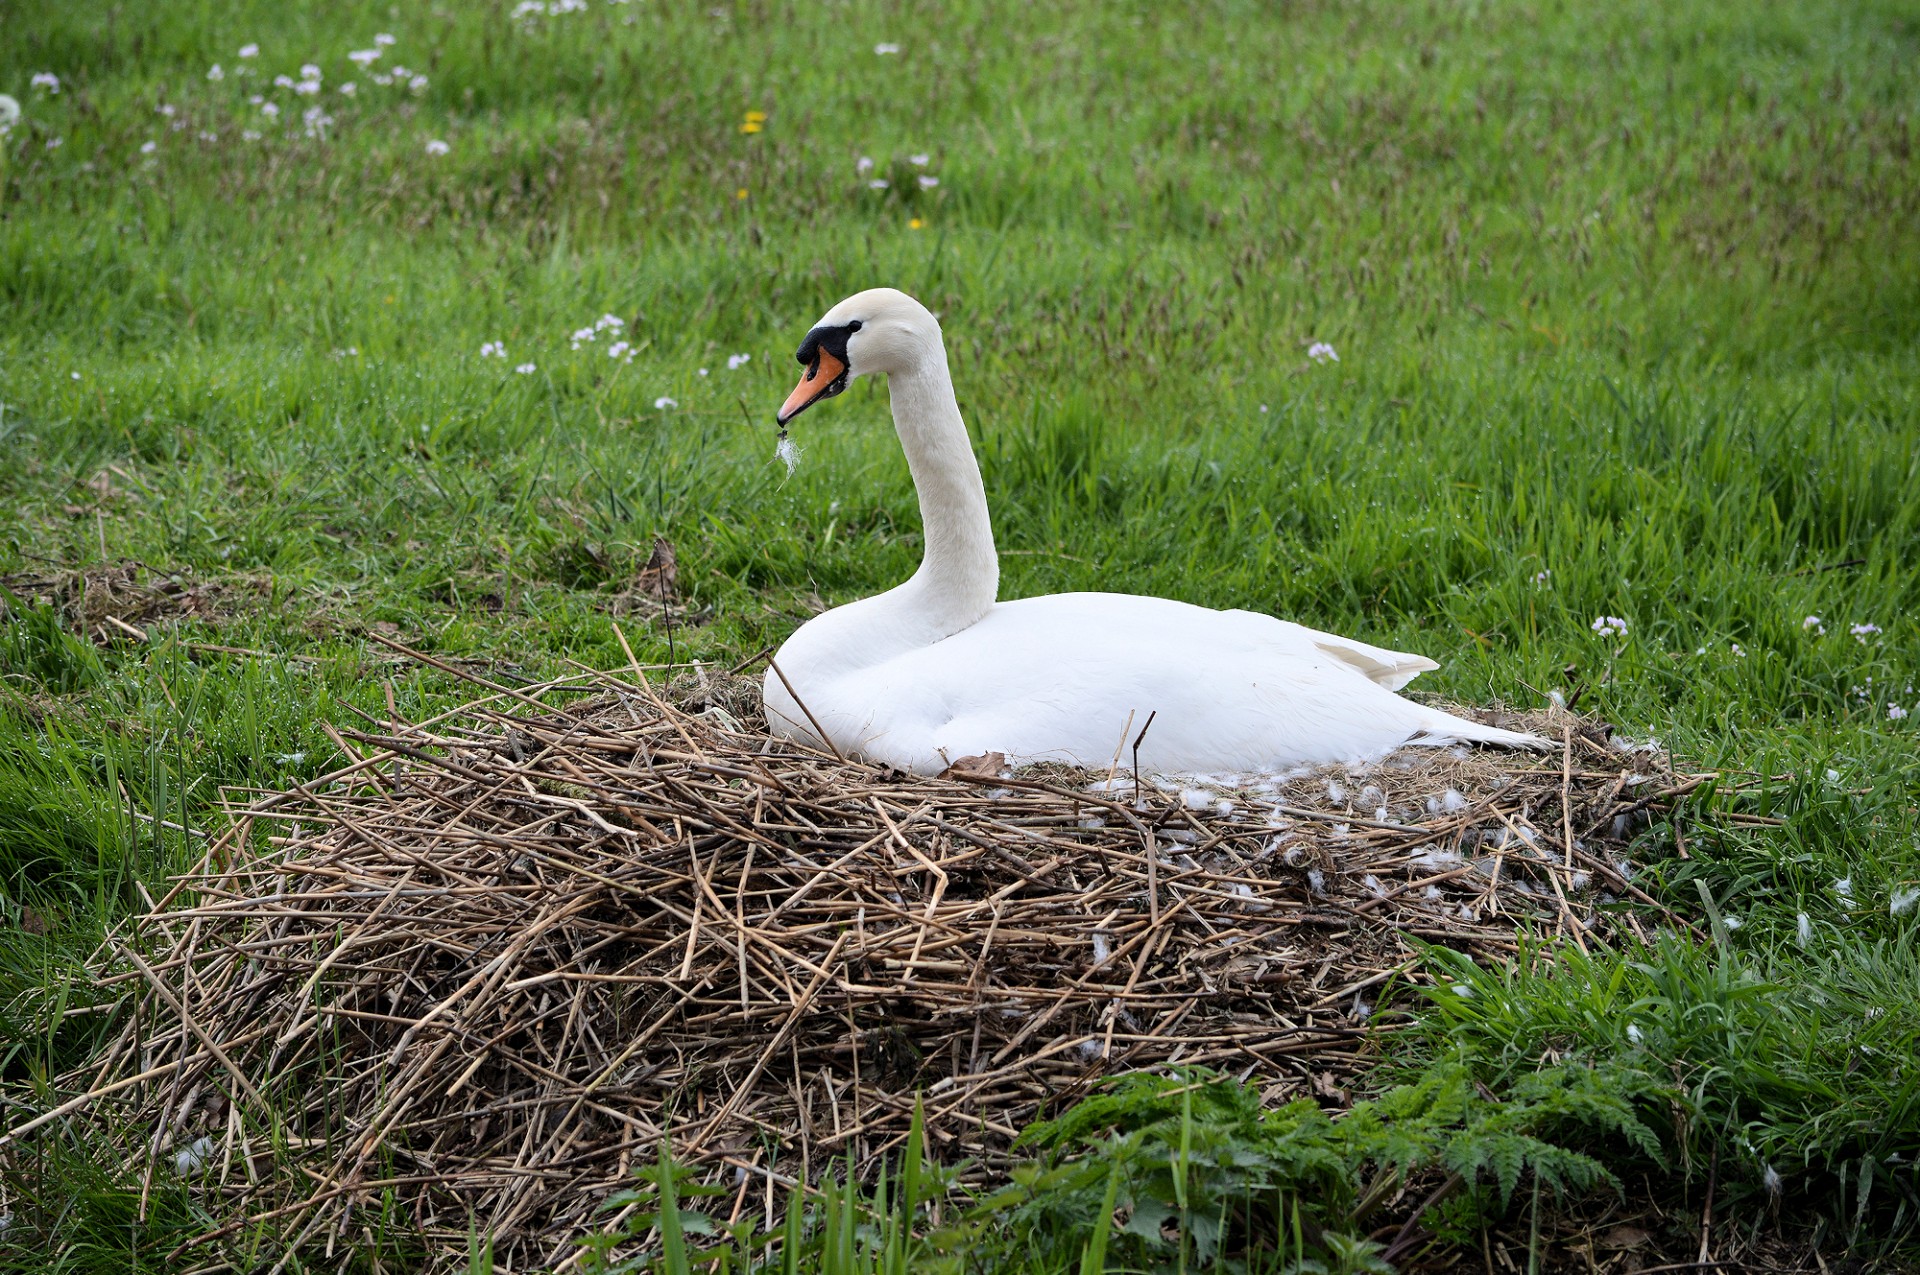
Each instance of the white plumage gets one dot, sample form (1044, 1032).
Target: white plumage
(936, 669)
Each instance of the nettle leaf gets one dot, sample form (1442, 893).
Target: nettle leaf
(1204, 1230)
(1149, 1220)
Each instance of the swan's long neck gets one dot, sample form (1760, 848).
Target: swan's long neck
(960, 575)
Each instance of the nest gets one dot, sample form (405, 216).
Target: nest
(486, 968)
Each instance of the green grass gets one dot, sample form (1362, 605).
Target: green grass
(1627, 325)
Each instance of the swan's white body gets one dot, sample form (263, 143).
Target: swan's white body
(936, 669)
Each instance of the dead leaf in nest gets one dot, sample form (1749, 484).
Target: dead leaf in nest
(1623, 1236)
(985, 765)
(1326, 1087)
(660, 578)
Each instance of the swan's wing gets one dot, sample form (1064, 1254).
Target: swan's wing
(1391, 669)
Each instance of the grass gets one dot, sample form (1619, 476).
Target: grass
(1626, 326)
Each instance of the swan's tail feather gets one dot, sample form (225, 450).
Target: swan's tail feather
(1444, 728)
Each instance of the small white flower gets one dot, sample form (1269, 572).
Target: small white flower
(148, 148)
(494, 350)
(269, 110)
(307, 87)
(249, 50)
(525, 369)
(702, 372)
(928, 183)
(249, 135)
(583, 334)
(46, 80)
(1738, 650)
(878, 183)
(437, 147)
(1542, 577)
(1895, 712)
(663, 403)
(76, 376)
(1861, 632)
(418, 84)
(920, 161)
(310, 72)
(347, 88)
(1815, 623)
(613, 321)
(1609, 625)
(617, 349)
(863, 165)
(383, 39)
(884, 49)
(9, 114)
(737, 361)
(1263, 408)
(365, 57)
(283, 81)
(215, 73)
(383, 80)
(1321, 352)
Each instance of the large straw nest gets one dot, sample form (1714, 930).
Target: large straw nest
(482, 971)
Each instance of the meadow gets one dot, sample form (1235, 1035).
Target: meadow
(1622, 321)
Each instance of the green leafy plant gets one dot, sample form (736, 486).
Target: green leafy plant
(1173, 1172)
(1202, 1174)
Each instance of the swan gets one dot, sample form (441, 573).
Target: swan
(938, 670)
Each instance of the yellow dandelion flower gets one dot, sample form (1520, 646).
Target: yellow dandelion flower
(916, 224)
(741, 193)
(752, 126)
(756, 117)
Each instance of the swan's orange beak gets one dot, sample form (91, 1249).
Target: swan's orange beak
(822, 379)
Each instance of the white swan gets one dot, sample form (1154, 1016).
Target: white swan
(936, 669)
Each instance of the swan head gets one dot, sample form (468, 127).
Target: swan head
(879, 330)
